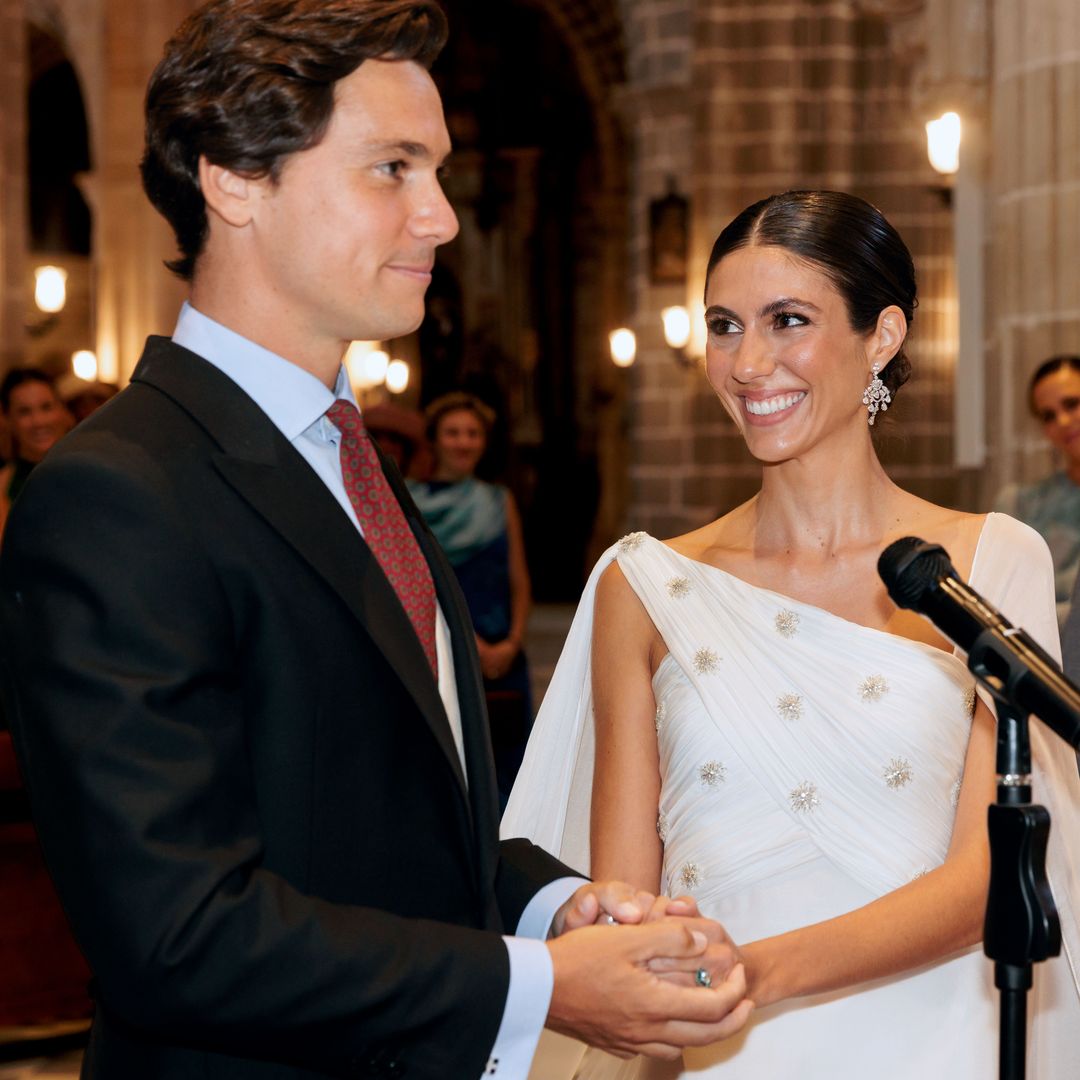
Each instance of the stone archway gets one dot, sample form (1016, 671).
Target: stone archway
(539, 179)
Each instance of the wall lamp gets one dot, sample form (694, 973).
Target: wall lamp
(676, 321)
(623, 346)
(943, 143)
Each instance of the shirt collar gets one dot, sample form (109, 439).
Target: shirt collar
(291, 397)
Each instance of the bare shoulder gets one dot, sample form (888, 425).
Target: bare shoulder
(619, 616)
(729, 533)
(955, 530)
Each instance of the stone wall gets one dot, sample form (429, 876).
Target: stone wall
(739, 100)
(12, 181)
(1033, 220)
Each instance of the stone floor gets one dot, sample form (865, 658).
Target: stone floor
(548, 626)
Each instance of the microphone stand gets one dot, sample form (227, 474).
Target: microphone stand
(1022, 925)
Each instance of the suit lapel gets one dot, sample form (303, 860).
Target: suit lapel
(470, 686)
(274, 479)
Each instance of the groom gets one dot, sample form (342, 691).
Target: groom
(244, 689)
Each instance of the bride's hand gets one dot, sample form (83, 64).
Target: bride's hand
(603, 902)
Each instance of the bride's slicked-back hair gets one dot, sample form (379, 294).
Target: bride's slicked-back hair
(246, 83)
(849, 241)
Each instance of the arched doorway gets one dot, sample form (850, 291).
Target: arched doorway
(59, 222)
(522, 303)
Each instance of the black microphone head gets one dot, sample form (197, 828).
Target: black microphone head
(910, 567)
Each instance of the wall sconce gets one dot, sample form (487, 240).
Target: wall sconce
(85, 365)
(623, 345)
(943, 143)
(50, 288)
(676, 321)
(397, 376)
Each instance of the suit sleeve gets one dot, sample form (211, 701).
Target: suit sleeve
(117, 647)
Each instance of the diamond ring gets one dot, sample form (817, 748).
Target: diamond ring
(703, 978)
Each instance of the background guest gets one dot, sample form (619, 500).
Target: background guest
(1052, 506)
(36, 419)
(479, 528)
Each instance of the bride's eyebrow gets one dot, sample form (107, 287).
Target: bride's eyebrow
(785, 302)
(716, 309)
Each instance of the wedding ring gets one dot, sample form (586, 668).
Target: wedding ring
(703, 978)
(610, 920)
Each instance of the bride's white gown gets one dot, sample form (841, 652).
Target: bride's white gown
(810, 765)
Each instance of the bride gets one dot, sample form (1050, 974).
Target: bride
(756, 724)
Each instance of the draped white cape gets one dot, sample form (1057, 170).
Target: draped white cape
(809, 765)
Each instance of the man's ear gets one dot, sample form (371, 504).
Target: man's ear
(227, 194)
(888, 336)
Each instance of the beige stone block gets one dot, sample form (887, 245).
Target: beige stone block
(1036, 236)
(1066, 253)
(1067, 118)
(1036, 142)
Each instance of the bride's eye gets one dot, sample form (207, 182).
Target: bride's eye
(718, 325)
(785, 319)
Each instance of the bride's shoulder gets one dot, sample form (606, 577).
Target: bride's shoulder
(727, 534)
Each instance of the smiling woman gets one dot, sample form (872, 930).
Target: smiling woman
(761, 727)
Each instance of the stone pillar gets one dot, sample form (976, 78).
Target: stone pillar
(1034, 220)
(13, 285)
(657, 110)
(137, 296)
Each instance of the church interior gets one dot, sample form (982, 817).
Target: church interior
(599, 147)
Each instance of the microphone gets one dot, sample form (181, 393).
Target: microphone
(921, 576)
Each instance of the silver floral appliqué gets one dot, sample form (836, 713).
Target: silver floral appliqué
(705, 661)
(661, 716)
(969, 701)
(789, 706)
(690, 875)
(898, 773)
(712, 773)
(954, 793)
(632, 541)
(786, 623)
(873, 688)
(678, 587)
(804, 798)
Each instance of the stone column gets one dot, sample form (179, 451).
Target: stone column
(657, 110)
(13, 285)
(137, 296)
(1034, 220)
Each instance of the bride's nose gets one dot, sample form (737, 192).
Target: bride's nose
(754, 359)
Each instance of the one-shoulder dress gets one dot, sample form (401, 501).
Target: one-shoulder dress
(810, 765)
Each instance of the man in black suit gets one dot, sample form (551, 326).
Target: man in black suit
(241, 677)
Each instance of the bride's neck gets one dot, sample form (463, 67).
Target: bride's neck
(822, 506)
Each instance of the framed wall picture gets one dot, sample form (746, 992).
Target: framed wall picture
(669, 240)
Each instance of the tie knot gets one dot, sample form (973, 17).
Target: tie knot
(346, 418)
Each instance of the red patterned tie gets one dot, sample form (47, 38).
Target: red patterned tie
(386, 531)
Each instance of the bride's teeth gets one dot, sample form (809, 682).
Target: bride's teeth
(773, 404)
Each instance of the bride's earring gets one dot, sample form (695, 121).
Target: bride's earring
(876, 396)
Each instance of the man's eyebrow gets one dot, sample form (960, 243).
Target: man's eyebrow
(405, 147)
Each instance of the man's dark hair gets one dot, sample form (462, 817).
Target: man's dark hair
(849, 241)
(246, 83)
(16, 377)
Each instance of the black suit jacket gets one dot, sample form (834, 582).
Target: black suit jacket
(242, 773)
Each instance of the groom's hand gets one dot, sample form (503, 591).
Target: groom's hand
(607, 993)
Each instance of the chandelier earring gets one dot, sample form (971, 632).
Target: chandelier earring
(876, 396)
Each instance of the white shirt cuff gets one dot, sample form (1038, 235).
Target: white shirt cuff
(531, 982)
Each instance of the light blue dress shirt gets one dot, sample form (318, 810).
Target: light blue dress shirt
(295, 401)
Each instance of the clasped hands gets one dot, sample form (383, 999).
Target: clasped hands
(632, 988)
